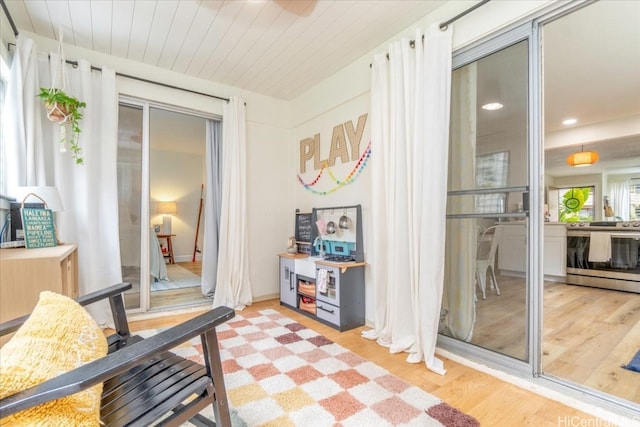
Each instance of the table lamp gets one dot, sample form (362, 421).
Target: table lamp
(167, 209)
(49, 195)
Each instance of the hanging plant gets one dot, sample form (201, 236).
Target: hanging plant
(65, 110)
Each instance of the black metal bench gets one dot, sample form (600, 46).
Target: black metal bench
(143, 381)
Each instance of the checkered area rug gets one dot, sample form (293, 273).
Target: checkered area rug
(280, 373)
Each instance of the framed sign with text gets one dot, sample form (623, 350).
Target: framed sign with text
(39, 228)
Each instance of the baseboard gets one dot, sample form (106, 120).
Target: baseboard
(266, 297)
(186, 258)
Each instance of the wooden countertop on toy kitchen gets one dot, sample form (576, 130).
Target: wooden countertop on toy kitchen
(319, 261)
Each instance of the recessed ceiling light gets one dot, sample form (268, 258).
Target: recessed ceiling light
(492, 106)
(569, 122)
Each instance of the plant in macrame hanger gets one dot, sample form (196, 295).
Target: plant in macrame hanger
(64, 109)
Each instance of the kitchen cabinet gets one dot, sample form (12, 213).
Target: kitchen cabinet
(555, 250)
(341, 302)
(512, 249)
(330, 292)
(24, 273)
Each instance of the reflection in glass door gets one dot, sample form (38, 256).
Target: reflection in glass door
(129, 163)
(485, 295)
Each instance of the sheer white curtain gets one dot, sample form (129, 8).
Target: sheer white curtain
(88, 192)
(233, 288)
(410, 101)
(212, 202)
(459, 304)
(620, 197)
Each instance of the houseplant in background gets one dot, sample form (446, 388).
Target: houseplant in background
(65, 110)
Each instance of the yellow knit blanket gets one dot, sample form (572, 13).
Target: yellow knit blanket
(59, 336)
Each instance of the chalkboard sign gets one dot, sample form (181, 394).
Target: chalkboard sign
(39, 229)
(304, 230)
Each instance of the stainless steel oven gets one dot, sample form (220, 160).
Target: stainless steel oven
(604, 255)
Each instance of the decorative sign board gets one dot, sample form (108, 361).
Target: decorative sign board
(304, 232)
(39, 228)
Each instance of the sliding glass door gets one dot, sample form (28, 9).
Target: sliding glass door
(486, 296)
(161, 179)
(508, 302)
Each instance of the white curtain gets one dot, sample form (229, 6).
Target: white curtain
(620, 197)
(233, 287)
(212, 202)
(21, 125)
(88, 192)
(410, 101)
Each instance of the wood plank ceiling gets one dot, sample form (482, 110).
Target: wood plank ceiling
(273, 47)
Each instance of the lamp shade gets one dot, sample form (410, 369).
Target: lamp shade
(582, 158)
(49, 195)
(167, 208)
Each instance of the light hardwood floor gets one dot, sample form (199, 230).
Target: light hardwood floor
(170, 298)
(491, 401)
(588, 332)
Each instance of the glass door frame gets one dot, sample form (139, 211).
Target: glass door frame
(531, 371)
(491, 358)
(145, 297)
(584, 394)
(145, 191)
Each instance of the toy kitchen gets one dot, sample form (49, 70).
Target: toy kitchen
(322, 272)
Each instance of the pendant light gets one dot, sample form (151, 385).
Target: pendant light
(582, 158)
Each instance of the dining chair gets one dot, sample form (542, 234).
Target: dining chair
(485, 259)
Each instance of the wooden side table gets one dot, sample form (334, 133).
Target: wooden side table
(24, 273)
(169, 252)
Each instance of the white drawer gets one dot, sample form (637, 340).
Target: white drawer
(328, 312)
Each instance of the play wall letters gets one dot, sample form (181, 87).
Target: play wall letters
(345, 145)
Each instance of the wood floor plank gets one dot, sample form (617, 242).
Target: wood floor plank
(588, 334)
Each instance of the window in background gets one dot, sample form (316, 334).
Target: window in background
(491, 172)
(634, 199)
